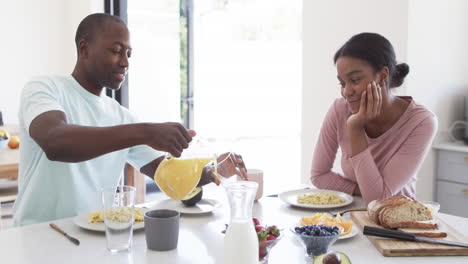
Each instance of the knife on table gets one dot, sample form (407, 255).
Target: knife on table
(277, 194)
(388, 233)
(72, 239)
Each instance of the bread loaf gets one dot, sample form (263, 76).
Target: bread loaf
(404, 212)
(376, 206)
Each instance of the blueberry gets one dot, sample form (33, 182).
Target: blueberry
(304, 234)
(297, 229)
(334, 232)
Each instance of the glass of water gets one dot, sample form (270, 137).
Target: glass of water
(118, 209)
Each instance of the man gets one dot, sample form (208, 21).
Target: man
(76, 140)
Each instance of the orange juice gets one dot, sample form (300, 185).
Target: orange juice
(178, 177)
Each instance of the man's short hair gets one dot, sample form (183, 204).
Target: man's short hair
(91, 24)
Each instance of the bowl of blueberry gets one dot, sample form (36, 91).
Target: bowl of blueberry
(316, 239)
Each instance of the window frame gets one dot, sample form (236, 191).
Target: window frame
(119, 8)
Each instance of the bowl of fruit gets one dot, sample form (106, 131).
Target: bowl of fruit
(316, 239)
(268, 237)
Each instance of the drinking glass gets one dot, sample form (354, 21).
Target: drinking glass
(118, 207)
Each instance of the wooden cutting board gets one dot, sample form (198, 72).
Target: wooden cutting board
(393, 248)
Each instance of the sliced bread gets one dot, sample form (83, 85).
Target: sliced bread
(376, 206)
(403, 212)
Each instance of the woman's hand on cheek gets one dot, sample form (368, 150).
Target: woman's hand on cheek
(358, 120)
(370, 107)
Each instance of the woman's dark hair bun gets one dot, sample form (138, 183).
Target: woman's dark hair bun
(401, 70)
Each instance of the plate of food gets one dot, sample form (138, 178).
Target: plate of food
(316, 198)
(201, 207)
(346, 227)
(94, 220)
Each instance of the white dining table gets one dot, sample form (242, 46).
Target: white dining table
(200, 239)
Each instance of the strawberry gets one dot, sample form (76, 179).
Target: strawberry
(259, 228)
(270, 237)
(256, 221)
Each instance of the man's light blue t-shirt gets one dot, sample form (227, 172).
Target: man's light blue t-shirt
(50, 190)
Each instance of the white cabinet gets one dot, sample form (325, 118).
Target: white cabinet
(452, 179)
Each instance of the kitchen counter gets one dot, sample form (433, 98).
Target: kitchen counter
(9, 161)
(9, 158)
(452, 146)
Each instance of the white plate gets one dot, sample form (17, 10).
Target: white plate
(290, 197)
(354, 231)
(82, 221)
(202, 207)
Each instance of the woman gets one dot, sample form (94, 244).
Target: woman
(383, 138)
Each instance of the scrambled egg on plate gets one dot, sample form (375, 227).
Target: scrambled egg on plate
(117, 214)
(320, 198)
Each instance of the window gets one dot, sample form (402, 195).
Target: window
(241, 60)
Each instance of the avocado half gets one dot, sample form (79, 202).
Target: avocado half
(193, 197)
(332, 258)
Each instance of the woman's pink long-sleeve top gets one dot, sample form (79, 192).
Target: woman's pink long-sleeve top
(387, 167)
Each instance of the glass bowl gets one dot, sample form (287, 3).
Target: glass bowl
(265, 247)
(315, 245)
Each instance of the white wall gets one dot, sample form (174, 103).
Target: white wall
(327, 24)
(37, 39)
(430, 35)
(438, 57)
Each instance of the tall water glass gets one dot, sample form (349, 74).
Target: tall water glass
(241, 241)
(118, 207)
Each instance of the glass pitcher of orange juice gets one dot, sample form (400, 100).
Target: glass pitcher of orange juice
(177, 177)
